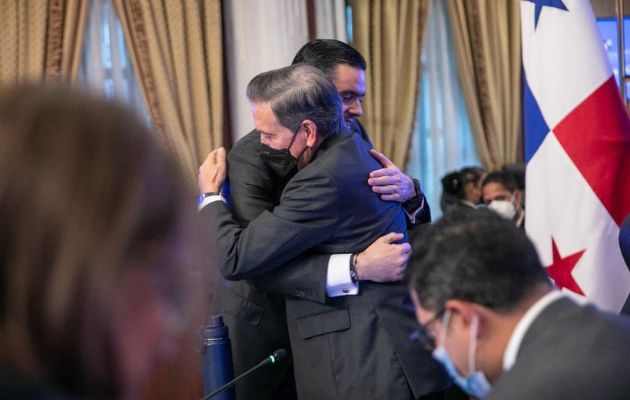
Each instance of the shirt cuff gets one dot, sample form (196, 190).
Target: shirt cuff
(412, 216)
(210, 199)
(338, 280)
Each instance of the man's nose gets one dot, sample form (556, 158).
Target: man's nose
(356, 110)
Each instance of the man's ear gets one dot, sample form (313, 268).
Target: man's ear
(467, 312)
(312, 133)
(518, 197)
(464, 309)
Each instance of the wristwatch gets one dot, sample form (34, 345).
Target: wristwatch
(353, 268)
(208, 194)
(205, 195)
(416, 202)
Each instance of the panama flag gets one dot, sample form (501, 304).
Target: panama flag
(577, 149)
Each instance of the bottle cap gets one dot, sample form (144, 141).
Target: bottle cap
(215, 329)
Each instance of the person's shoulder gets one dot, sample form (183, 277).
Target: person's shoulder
(344, 157)
(247, 149)
(250, 140)
(360, 130)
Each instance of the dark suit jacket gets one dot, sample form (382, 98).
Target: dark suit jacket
(570, 352)
(328, 206)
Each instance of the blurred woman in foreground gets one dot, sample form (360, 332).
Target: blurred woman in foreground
(98, 277)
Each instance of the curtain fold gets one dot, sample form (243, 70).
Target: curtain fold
(176, 49)
(443, 141)
(389, 35)
(487, 41)
(41, 40)
(66, 26)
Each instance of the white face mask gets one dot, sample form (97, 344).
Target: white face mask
(475, 383)
(504, 208)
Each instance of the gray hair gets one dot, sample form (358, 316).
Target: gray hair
(297, 93)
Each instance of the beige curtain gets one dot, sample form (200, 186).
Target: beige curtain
(176, 48)
(389, 35)
(40, 39)
(487, 41)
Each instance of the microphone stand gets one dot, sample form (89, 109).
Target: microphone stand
(272, 359)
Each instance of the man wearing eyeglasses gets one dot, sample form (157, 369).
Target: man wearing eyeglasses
(490, 314)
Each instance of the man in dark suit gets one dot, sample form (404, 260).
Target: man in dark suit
(254, 310)
(501, 329)
(327, 206)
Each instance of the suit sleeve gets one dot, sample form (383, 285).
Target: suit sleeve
(254, 190)
(303, 277)
(423, 216)
(306, 217)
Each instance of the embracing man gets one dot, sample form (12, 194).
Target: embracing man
(354, 346)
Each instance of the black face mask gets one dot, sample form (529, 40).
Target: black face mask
(281, 161)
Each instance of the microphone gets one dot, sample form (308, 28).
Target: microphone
(276, 356)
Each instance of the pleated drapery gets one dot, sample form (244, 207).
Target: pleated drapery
(176, 49)
(389, 35)
(487, 41)
(40, 40)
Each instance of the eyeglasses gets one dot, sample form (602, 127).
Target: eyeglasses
(423, 334)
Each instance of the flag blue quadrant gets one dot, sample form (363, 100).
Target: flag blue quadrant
(536, 128)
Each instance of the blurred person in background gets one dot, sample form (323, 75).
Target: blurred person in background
(462, 188)
(502, 195)
(97, 249)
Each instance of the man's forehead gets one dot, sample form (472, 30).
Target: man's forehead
(349, 77)
(495, 187)
(264, 118)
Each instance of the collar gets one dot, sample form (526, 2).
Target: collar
(520, 220)
(511, 351)
(333, 140)
(467, 203)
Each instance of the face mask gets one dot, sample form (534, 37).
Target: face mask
(504, 208)
(475, 384)
(280, 161)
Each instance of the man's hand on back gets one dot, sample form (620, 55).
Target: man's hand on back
(383, 260)
(390, 181)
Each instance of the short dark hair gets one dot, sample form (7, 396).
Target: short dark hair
(505, 178)
(476, 256)
(299, 92)
(326, 54)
